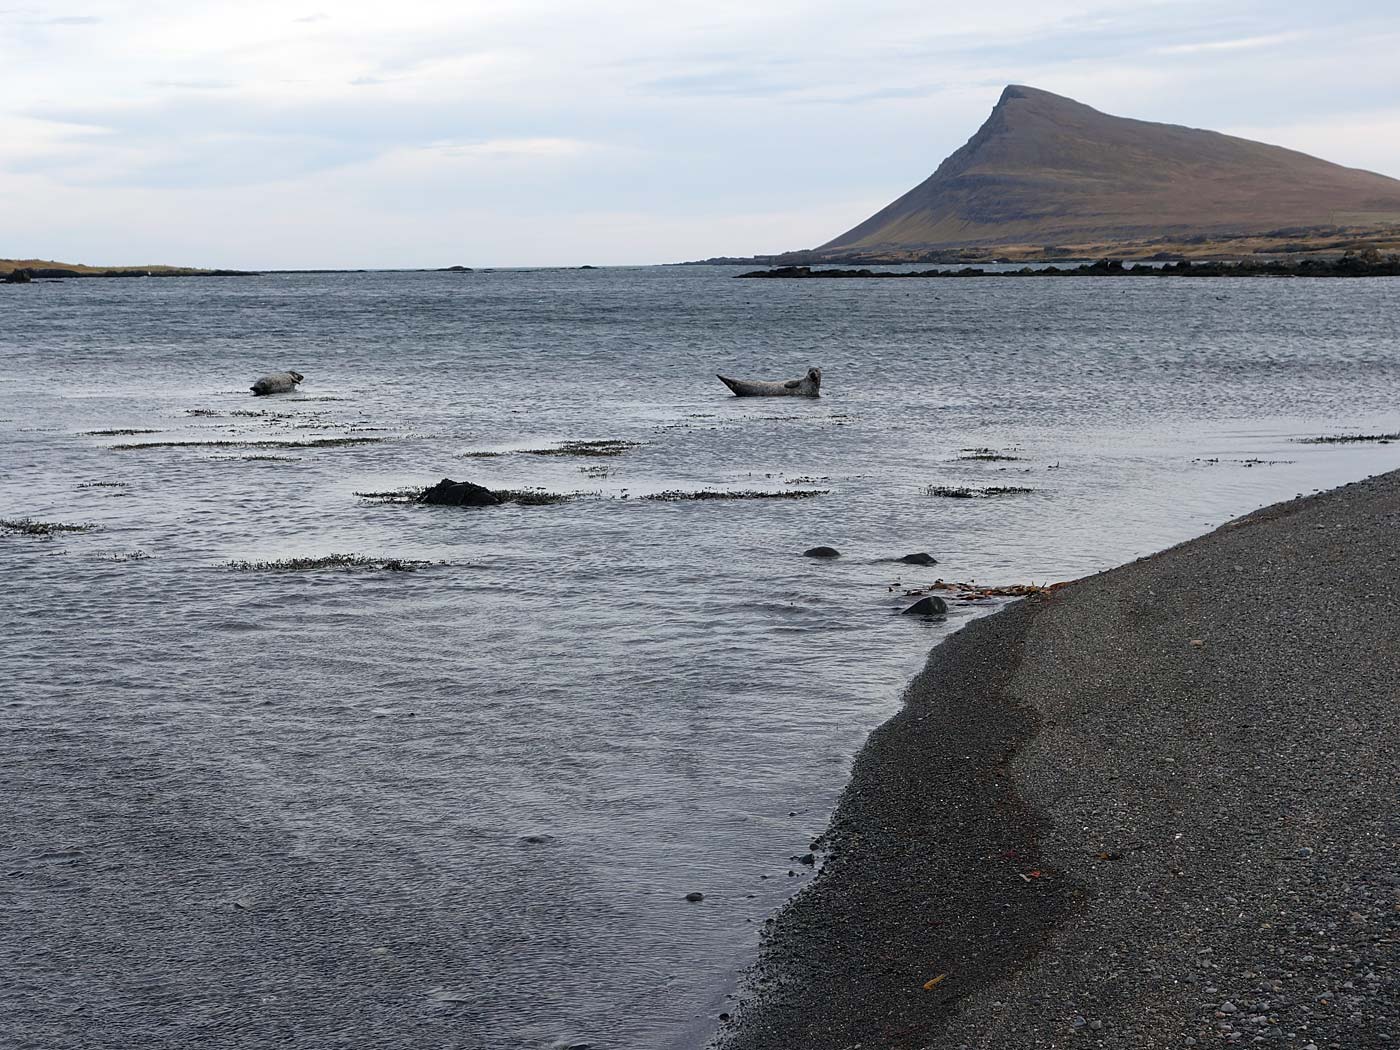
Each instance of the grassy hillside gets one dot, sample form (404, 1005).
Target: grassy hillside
(83, 270)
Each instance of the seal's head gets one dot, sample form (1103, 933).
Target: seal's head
(814, 374)
(296, 375)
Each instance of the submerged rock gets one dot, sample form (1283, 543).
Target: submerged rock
(821, 552)
(919, 559)
(930, 606)
(449, 493)
(695, 897)
(276, 383)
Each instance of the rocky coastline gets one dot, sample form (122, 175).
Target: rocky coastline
(1366, 264)
(1152, 808)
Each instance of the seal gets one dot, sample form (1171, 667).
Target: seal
(276, 383)
(808, 386)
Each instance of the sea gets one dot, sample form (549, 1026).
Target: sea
(251, 799)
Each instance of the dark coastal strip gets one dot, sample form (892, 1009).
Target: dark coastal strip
(1154, 806)
(1364, 265)
(27, 274)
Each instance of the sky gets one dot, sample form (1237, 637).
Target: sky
(417, 133)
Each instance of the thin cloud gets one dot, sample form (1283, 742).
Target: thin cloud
(193, 85)
(525, 147)
(1248, 43)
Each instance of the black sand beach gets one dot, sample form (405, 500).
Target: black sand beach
(1156, 808)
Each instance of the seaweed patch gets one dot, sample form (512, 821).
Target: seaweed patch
(678, 495)
(988, 455)
(30, 527)
(336, 442)
(116, 433)
(964, 492)
(1348, 439)
(332, 561)
(1246, 462)
(610, 447)
(522, 497)
(534, 497)
(404, 495)
(972, 591)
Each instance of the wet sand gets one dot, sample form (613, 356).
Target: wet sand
(1158, 805)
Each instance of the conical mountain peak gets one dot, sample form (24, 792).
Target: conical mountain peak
(1046, 169)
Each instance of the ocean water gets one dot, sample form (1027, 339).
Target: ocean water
(462, 806)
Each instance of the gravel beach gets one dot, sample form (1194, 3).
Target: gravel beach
(1155, 808)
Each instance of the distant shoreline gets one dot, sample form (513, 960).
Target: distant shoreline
(22, 271)
(1365, 265)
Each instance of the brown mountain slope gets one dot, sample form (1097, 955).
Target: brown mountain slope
(1045, 169)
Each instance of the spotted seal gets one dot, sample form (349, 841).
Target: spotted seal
(276, 383)
(808, 386)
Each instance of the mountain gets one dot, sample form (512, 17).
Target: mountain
(1046, 170)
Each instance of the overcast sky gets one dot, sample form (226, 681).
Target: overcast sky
(272, 133)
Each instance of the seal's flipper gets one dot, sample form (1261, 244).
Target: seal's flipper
(733, 384)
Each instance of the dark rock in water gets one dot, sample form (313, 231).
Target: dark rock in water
(821, 552)
(695, 897)
(456, 269)
(18, 277)
(808, 859)
(919, 559)
(930, 606)
(536, 840)
(449, 493)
